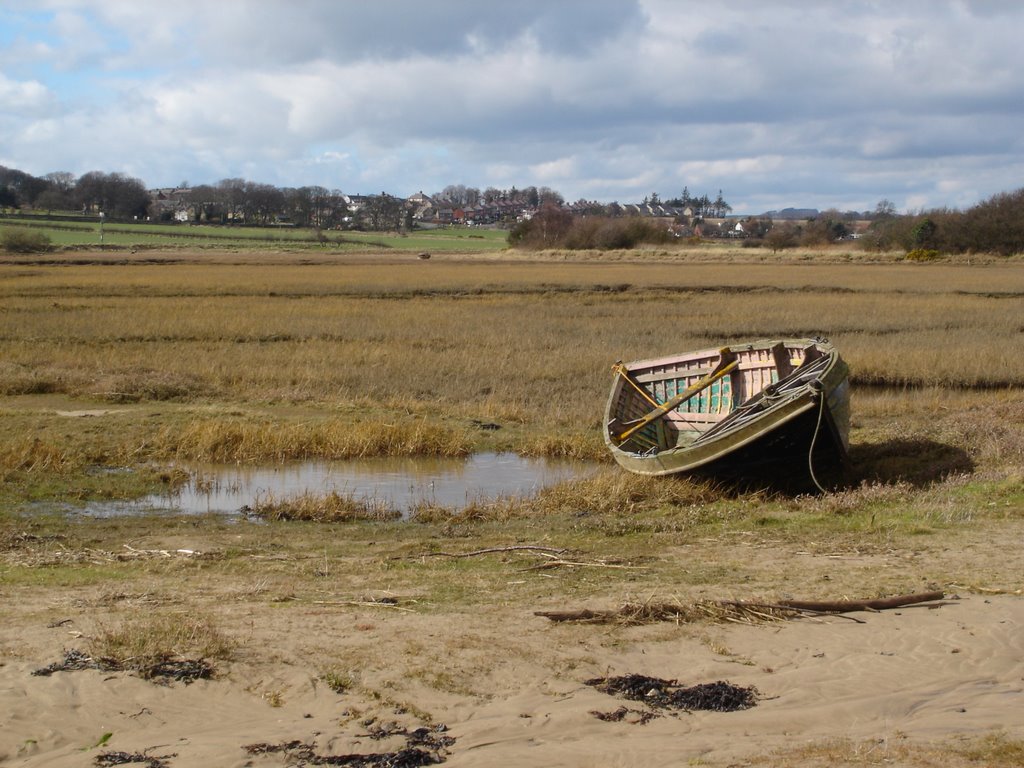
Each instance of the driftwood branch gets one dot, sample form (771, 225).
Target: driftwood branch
(365, 604)
(493, 550)
(844, 606)
(576, 564)
(551, 557)
(583, 616)
(782, 610)
(734, 610)
(988, 590)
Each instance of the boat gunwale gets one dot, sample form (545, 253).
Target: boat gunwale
(721, 445)
(711, 352)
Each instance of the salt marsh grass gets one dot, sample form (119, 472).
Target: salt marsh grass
(399, 356)
(230, 440)
(322, 508)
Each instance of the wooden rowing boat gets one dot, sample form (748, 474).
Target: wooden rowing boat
(778, 406)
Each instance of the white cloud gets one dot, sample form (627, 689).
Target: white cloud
(704, 171)
(24, 97)
(777, 101)
(554, 170)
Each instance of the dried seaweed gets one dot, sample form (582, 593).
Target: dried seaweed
(643, 717)
(162, 670)
(719, 696)
(124, 758)
(432, 738)
(378, 731)
(73, 660)
(182, 670)
(424, 746)
(410, 757)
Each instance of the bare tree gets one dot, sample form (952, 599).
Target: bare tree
(113, 194)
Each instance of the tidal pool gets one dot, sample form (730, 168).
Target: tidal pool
(397, 483)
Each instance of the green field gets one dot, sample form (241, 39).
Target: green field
(87, 234)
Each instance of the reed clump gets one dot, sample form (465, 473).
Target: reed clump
(606, 494)
(146, 644)
(613, 492)
(33, 454)
(993, 432)
(232, 440)
(579, 446)
(330, 507)
(862, 499)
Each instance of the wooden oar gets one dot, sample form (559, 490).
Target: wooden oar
(723, 369)
(620, 369)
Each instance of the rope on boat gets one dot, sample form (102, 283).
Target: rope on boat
(768, 398)
(814, 440)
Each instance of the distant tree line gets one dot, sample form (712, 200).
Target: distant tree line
(555, 227)
(528, 197)
(995, 225)
(112, 193)
(702, 206)
(238, 200)
(121, 197)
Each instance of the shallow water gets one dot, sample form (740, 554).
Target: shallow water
(397, 483)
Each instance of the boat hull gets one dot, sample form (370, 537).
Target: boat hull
(782, 411)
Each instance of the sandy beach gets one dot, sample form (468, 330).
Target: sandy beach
(915, 675)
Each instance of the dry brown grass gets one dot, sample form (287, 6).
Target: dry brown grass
(25, 452)
(144, 643)
(265, 362)
(536, 338)
(232, 440)
(323, 508)
(609, 494)
(527, 344)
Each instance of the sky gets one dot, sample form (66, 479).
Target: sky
(777, 103)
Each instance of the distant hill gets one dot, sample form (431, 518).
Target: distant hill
(793, 213)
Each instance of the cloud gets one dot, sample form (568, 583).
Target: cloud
(562, 169)
(839, 103)
(24, 97)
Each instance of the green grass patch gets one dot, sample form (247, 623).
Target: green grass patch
(638, 540)
(24, 570)
(87, 234)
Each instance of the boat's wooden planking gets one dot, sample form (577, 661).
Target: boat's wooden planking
(663, 378)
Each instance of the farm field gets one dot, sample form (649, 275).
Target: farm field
(119, 370)
(70, 233)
